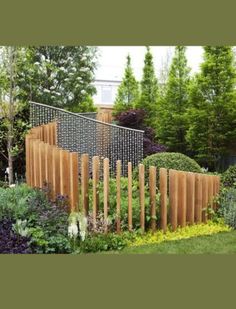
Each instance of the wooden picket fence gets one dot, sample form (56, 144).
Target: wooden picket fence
(184, 196)
(46, 164)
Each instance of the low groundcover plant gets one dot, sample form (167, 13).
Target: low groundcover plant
(195, 230)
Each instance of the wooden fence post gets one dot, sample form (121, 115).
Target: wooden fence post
(95, 162)
(173, 191)
(47, 134)
(163, 191)
(152, 192)
(64, 173)
(33, 138)
(130, 224)
(198, 198)
(214, 191)
(190, 197)
(74, 180)
(204, 197)
(27, 155)
(142, 196)
(36, 163)
(106, 191)
(85, 183)
(41, 164)
(118, 196)
(210, 192)
(182, 198)
(217, 188)
(56, 168)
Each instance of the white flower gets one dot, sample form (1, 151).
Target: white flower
(82, 235)
(84, 69)
(12, 186)
(83, 91)
(73, 230)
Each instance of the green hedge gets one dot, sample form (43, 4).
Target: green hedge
(170, 160)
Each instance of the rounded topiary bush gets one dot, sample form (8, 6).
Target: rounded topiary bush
(171, 160)
(229, 177)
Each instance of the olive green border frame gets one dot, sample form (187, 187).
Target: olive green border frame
(84, 281)
(113, 22)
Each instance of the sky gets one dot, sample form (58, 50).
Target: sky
(112, 59)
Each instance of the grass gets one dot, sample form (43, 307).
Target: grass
(221, 243)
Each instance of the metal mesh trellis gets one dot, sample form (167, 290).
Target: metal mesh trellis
(83, 134)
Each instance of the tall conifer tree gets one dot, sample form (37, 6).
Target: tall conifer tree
(149, 90)
(128, 91)
(212, 118)
(172, 124)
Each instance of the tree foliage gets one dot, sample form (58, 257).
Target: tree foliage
(12, 127)
(149, 90)
(61, 76)
(128, 91)
(212, 116)
(172, 122)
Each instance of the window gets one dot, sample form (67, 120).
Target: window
(106, 94)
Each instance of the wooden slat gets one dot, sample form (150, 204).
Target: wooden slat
(163, 191)
(56, 172)
(74, 181)
(31, 162)
(130, 223)
(118, 196)
(85, 183)
(49, 169)
(214, 191)
(198, 198)
(106, 191)
(190, 198)
(152, 192)
(36, 163)
(142, 196)
(173, 191)
(182, 198)
(64, 173)
(27, 158)
(210, 193)
(42, 177)
(217, 188)
(95, 162)
(204, 197)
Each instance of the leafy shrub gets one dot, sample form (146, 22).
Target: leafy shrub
(46, 223)
(227, 208)
(13, 201)
(104, 242)
(134, 119)
(229, 177)
(10, 242)
(3, 184)
(124, 203)
(170, 160)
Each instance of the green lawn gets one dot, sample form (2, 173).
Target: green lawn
(224, 242)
